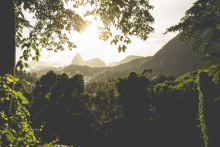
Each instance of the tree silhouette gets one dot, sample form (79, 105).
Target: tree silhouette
(135, 102)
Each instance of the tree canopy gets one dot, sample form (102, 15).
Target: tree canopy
(131, 17)
(201, 24)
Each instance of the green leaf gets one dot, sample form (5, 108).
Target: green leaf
(209, 64)
(19, 34)
(37, 51)
(25, 45)
(30, 140)
(26, 65)
(19, 64)
(27, 135)
(215, 69)
(17, 21)
(123, 48)
(24, 100)
(218, 27)
(10, 78)
(41, 40)
(10, 136)
(37, 58)
(207, 58)
(119, 49)
(5, 86)
(34, 46)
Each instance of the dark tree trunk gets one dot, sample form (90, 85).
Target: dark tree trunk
(7, 45)
(8, 36)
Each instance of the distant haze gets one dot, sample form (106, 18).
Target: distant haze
(35, 64)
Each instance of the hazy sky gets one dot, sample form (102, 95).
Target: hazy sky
(166, 13)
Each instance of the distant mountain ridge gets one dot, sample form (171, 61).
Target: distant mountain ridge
(95, 62)
(121, 70)
(125, 60)
(45, 67)
(34, 64)
(174, 58)
(137, 62)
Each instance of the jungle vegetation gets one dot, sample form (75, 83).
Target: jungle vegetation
(130, 111)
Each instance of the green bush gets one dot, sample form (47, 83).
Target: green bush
(15, 127)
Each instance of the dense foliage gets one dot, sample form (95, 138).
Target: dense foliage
(131, 111)
(113, 74)
(15, 129)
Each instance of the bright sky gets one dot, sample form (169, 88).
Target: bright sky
(166, 13)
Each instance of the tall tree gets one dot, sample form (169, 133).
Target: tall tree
(8, 40)
(7, 58)
(135, 102)
(201, 24)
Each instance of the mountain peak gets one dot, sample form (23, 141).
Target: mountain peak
(95, 62)
(77, 59)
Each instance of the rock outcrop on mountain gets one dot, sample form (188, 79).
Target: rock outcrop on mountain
(78, 60)
(95, 62)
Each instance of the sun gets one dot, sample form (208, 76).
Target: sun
(92, 31)
(89, 45)
(90, 34)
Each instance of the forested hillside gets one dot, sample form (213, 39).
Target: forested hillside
(125, 68)
(114, 74)
(174, 58)
(83, 69)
